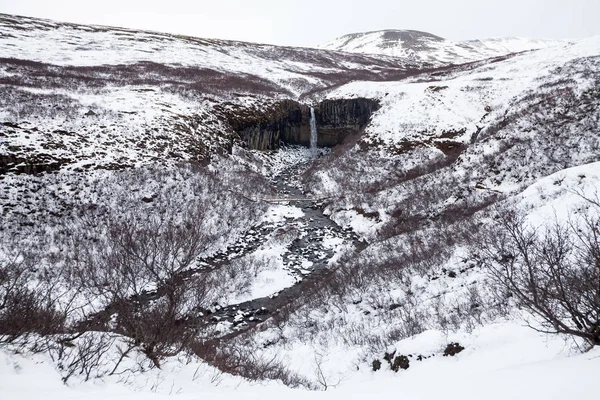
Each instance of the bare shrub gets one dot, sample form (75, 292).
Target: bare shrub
(143, 273)
(238, 360)
(28, 302)
(554, 272)
(84, 358)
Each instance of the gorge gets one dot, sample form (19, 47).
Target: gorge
(292, 123)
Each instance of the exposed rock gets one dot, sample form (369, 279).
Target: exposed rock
(289, 122)
(376, 365)
(400, 362)
(453, 349)
(29, 165)
(338, 119)
(264, 130)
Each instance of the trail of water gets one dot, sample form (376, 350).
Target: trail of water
(314, 138)
(307, 259)
(309, 247)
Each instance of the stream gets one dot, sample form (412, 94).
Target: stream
(307, 257)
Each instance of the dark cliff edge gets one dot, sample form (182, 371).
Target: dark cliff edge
(288, 122)
(264, 130)
(338, 119)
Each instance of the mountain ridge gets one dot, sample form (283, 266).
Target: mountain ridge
(426, 47)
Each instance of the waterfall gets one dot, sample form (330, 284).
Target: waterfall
(313, 130)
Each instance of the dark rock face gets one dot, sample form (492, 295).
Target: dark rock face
(289, 122)
(453, 349)
(264, 130)
(338, 119)
(32, 165)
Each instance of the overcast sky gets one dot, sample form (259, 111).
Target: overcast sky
(311, 22)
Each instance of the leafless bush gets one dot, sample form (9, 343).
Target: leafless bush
(29, 304)
(85, 358)
(238, 360)
(408, 320)
(553, 273)
(124, 259)
(143, 273)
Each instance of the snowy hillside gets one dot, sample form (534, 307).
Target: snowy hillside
(86, 96)
(427, 48)
(287, 70)
(167, 231)
(507, 361)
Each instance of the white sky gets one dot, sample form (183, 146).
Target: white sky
(311, 22)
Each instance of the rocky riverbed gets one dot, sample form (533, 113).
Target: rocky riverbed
(306, 258)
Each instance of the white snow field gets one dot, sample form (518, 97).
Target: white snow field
(502, 361)
(429, 105)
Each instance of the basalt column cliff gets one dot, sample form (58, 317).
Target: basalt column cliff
(288, 122)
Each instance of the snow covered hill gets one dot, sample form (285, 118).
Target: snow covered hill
(287, 70)
(427, 48)
(506, 361)
(83, 95)
(156, 252)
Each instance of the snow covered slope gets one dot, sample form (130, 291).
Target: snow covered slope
(504, 361)
(427, 48)
(287, 70)
(90, 95)
(444, 151)
(467, 99)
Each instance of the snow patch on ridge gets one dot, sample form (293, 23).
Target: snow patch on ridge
(425, 47)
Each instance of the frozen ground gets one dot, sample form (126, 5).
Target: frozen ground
(501, 361)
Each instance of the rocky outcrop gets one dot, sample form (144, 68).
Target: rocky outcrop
(288, 122)
(338, 119)
(29, 165)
